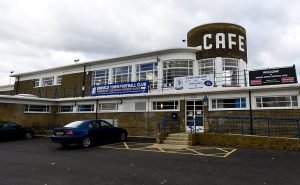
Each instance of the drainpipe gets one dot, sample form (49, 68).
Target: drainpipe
(17, 85)
(96, 116)
(83, 81)
(251, 116)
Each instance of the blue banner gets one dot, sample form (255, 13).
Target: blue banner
(121, 88)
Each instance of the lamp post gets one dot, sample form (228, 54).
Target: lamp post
(11, 72)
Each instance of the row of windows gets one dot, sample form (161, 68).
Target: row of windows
(138, 106)
(47, 81)
(230, 68)
(217, 103)
(261, 102)
(171, 69)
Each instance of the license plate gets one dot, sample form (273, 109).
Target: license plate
(59, 133)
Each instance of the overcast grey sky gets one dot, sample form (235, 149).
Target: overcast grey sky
(38, 34)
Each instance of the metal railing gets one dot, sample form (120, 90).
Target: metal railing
(262, 126)
(225, 79)
(168, 125)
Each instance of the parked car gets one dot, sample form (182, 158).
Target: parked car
(10, 130)
(87, 132)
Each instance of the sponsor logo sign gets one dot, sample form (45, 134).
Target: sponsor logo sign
(120, 88)
(273, 76)
(192, 82)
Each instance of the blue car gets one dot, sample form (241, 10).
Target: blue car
(87, 132)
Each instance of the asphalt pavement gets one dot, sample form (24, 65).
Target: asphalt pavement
(40, 162)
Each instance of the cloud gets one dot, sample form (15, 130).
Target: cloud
(37, 34)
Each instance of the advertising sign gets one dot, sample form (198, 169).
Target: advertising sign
(273, 76)
(192, 82)
(219, 40)
(121, 88)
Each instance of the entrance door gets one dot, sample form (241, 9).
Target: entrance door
(194, 116)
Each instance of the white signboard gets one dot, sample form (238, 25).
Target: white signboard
(193, 82)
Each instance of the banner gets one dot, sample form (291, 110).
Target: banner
(273, 76)
(192, 82)
(121, 88)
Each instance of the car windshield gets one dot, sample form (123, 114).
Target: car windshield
(75, 124)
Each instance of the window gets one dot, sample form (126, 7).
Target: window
(105, 124)
(108, 106)
(229, 103)
(36, 82)
(58, 80)
(140, 106)
(206, 66)
(100, 77)
(85, 108)
(276, 101)
(47, 81)
(176, 68)
(147, 72)
(230, 72)
(37, 108)
(122, 74)
(66, 108)
(165, 105)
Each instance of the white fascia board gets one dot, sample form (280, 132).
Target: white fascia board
(49, 73)
(111, 60)
(26, 100)
(7, 87)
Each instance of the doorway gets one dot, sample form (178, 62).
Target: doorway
(194, 116)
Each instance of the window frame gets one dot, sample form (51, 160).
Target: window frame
(118, 72)
(202, 65)
(86, 111)
(46, 109)
(100, 107)
(48, 78)
(60, 106)
(99, 77)
(58, 79)
(291, 101)
(153, 71)
(168, 80)
(215, 108)
(233, 78)
(37, 82)
(158, 104)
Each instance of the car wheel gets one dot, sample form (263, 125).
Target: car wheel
(123, 136)
(28, 135)
(86, 142)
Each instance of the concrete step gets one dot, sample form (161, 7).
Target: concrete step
(172, 142)
(179, 135)
(177, 138)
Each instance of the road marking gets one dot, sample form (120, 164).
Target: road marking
(161, 149)
(222, 150)
(126, 146)
(194, 151)
(230, 153)
(174, 149)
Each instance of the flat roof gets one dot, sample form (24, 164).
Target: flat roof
(128, 57)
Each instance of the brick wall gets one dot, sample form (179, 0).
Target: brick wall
(71, 87)
(15, 113)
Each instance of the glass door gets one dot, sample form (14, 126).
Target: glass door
(194, 116)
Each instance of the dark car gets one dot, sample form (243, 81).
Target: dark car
(87, 132)
(10, 130)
